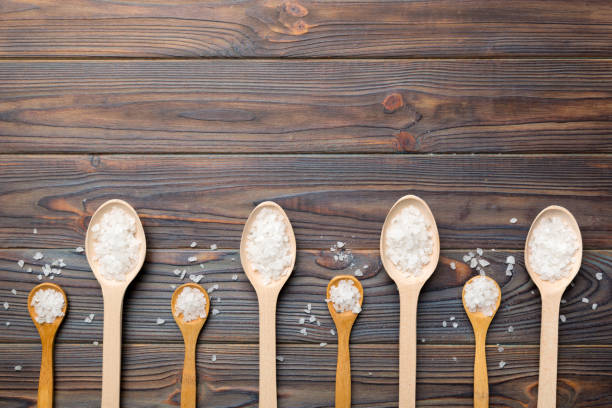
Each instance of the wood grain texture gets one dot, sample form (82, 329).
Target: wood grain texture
(306, 376)
(327, 198)
(298, 28)
(149, 298)
(341, 106)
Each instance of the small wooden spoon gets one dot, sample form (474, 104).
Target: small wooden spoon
(191, 331)
(113, 292)
(480, 325)
(344, 323)
(551, 292)
(409, 288)
(267, 296)
(47, 338)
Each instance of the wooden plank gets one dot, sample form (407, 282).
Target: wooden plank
(304, 28)
(237, 322)
(151, 376)
(271, 106)
(328, 198)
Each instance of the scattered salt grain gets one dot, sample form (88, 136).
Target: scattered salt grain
(312, 318)
(196, 278)
(409, 241)
(192, 259)
(201, 266)
(479, 251)
(115, 245)
(89, 318)
(214, 246)
(6, 305)
(585, 300)
(513, 220)
(48, 305)
(332, 332)
(20, 263)
(466, 258)
(453, 266)
(79, 249)
(451, 318)
(37, 256)
(563, 301)
(14, 292)
(358, 272)
(510, 260)
(18, 368)
(177, 272)
(39, 277)
(322, 344)
(484, 262)
(160, 321)
(444, 323)
(345, 296)
(280, 358)
(95, 343)
(562, 318)
(213, 288)
(29, 270)
(213, 358)
(481, 295)
(302, 320)
(502, 364)
(34, 231)
(500, 349)
(304, 331)
(8, 324)
(268, 245)
(193, 244)
(454, 358)
(473, 263)
(191, 303)
(510, 329)
(183, 273)
(552, 247)
(215, 312)
(235, 277)
(594, 306)
(339, 244)
(455, 325)
(599, 276)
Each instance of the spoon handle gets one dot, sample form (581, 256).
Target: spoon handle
(409, 298)
(267, 351)
(188, 385)
(549, 336)
(111, 352)
(481, 379)
(45, 383)
(343, 371)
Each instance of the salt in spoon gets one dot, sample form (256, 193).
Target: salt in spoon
(191, 331)
(551, 292)
(47, 333)
(267, 296)
(480, 325)
(113, 292)
(344, 323)
(409, 288)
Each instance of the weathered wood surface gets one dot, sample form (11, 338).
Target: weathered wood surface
(149, 299)
(342, 106)
(184, 198)
(151, 376)
(298, 28)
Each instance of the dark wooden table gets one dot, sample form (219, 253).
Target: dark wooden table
(195, 111)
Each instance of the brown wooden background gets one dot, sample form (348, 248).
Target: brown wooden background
(194, 111)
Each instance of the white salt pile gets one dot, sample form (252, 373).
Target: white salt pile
(481, 295)
(115, 245)
(268, 247)
(345, 296)
(409, 241)
(553, 247)
(191, 303)
(48, 305)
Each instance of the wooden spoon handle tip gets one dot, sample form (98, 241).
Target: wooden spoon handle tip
(267, 351)
(111, 352)
(45, 383)
(549, 336)
(343, 371)
(407, 348)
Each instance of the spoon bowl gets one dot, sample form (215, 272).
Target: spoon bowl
(267, 296)
(47, 333)
(344, 323)
(409, 288)
(480, 324)
(113, 292)
(551, 292)
(191, 331)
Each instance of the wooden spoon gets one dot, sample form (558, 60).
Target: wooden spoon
(113, 292)
(47, 338)
(551, 292)
(344, 323)
(191, 331)
(267, 295)
(480, 325)
(409, 288)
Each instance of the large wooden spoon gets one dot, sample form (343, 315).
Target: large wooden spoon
(47, 333)
(409, 288)
(191, 331)
(480, 325)
(551, 292)
(113, 292)
(267, 296)
(344, 323)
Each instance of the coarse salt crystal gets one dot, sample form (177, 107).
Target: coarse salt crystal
(339, 244)
(213, 358)
(513, 220)
(455, 325)
(193, 244)
(332, 332)
(473, 263)
(594, 306)
(235, 276)
(95, 343)
(562, 318)
(20, 263)
(183, 273)
(192, 259)
(481, 295)
(14, 291)
(6, 305)
(585, 300)
(196, 278)
(304, 331)
(500, 349)
(502, 364)
(510, 260)
(213, 247)
(302, 320)
(552, 248)
(34, 231)
(191, 303)
(215, 312)
(466, 258)
(18, 368)
(510, 329)
(453, 266)
(177, 272)
(79, 249)
(160, 321)
(479, 251)
(484, 262)
(358, 272)
(213, 288)
(48, 305)
(116, 248)
(39, 277)
(409, 241)
(599, 276)
(37, 256)
(322, 344)
(312, 318)
(444, 323)
(268, 245)
(345, 296)
(280, 358)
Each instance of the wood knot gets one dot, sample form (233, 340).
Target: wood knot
(298, 28)
(295, 9)
(406, 141)
(393, 102)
